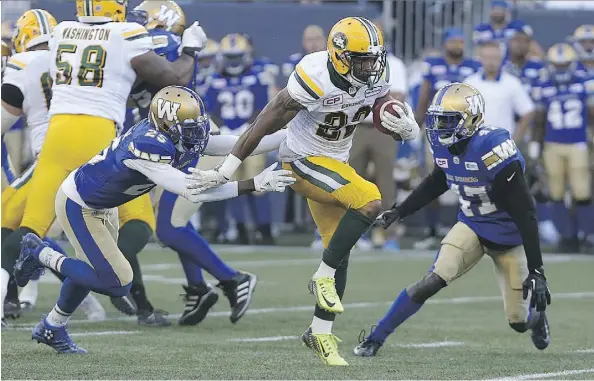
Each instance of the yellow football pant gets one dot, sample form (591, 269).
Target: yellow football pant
(331, 187)
(70, 142)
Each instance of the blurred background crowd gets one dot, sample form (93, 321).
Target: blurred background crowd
(500, 47)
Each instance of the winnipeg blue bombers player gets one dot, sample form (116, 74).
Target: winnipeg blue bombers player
(583, 43)
(565, 101)
(149, 154)
(483, 166)
(328, 94)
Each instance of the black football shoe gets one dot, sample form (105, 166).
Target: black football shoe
(199, 300)
(239, 290)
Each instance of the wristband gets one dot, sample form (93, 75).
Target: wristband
(229, 166)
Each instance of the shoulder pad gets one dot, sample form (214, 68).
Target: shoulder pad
(131, 31)
(497, 146)
(307, 73)
(152, 145)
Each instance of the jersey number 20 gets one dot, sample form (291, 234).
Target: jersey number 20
(90, 72)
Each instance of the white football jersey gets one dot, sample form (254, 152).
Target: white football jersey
(333, 108)
(90, 66)
(29, 71)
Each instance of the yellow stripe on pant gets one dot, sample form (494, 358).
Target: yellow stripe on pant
(70, 142)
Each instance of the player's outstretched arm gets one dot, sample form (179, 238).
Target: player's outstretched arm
(511, 194)
(221, 145)
(430, 188)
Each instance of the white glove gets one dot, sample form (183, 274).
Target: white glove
(406, 126)
(198, 181)
(194, 39)
(270, 180)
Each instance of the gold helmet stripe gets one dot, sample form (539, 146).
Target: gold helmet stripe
(440, 95)
(42, 21)
(307, 84)
(371, 31)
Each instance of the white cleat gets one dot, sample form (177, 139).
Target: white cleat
(92, 309)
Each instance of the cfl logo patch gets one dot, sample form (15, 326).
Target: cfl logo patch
(167, 109)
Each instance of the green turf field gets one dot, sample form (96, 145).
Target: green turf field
(461, 334)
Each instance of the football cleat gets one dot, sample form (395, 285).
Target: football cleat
(92, 309)
(12, 309)
(55, 337)
(154, 318)
(27, 265)
(239, 290)
(324, 289)
(199, 299)
(367, 347)
(325, 345)
(541, 335)
(125, 304)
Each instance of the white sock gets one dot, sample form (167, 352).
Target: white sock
(57, 317)
(51, 258)
(321, 326)
(29, 292)
(324, 271)
(4, 278)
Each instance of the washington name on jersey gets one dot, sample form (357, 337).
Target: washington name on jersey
(91, 69)
(333, 108)
(471, 176)
(107, 182)
(29, 72)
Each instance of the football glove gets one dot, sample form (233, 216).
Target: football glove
(536, 285)
(198, 181)
(406, 126)
(193, 40)
(270, 180)
(388, 217)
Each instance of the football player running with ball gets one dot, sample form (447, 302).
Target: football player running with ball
(497, 217)
(327, 95)
(151, 153)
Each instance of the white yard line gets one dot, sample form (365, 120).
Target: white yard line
(263, 339)
(102, 333)
(437, 344)
(589, 350)
(536, 376)
(270, 310)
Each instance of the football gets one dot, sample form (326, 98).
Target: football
(386, 104)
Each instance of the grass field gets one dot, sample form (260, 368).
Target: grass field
(461, 334)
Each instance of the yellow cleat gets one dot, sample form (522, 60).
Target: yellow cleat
(324, 345)
(324, 289)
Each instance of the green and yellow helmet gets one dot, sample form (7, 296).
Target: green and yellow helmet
(456, 112)
(93, 11)
(356, 50)
(179, 113)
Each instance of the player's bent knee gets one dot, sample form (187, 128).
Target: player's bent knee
(372, 209)
(425, 288)
(519, 327)
(118, 292)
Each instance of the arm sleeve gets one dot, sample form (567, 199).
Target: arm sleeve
(162, 174)
(224, 192)
(522, 102)
(221, 145)
(430, 188)
(510, 181)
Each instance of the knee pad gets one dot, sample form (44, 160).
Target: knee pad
(133, 237)
(519, 327)
(425, 288)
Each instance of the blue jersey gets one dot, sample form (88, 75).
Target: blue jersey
(584, 71)
(484, 32)
(165, 44)
(236, 99)
(529, 74)
(471, 176)
(439, 73)
(106, 182)
(265, 64)
(566, 108)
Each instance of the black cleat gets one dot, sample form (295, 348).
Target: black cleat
(154, 318)
(199, 300)
(239, 290)
(541, 334)
(12, 309)
(366, 347)
(125, 304)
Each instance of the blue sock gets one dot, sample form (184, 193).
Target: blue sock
(561, 219)
(54, 245)
(402, 308)
(543, 211)
(585, 218)
(237, 208)
(432, 215)
(71, 296)
(192, 271)
(261, 209)
(221, 212)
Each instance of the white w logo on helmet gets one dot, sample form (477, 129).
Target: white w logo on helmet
(167, 109)
(168, 16)
(476, 104)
